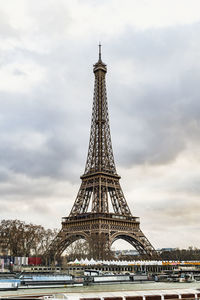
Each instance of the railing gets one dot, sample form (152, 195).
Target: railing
(147, 297)
(100, 215)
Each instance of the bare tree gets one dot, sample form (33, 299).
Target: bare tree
(21, 239)
(79, 249)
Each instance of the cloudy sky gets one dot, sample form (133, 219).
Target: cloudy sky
(152, 50)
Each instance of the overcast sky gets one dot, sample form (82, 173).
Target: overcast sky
(152, 51)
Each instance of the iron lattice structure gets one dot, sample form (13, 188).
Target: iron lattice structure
(100, 213)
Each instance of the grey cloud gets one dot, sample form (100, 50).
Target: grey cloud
(159, 112)
(59, 109)
(53, 18)
(187, 185)
(4, 174)
(18, 72)
(171, 212)
(48, 161)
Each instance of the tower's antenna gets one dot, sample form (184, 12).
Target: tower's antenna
(99, 51)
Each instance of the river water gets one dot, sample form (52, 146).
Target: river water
(104, 288)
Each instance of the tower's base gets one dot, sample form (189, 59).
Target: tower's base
(100, 231)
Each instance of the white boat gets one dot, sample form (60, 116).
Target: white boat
(8, 285)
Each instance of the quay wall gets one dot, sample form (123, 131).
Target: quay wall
(79, 269)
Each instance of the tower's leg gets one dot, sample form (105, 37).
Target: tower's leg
(99, 245)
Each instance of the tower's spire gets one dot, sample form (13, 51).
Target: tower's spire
(100, 154)
(99, 51)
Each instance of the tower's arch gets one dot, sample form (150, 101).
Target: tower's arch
(63, 241)
(70, 240)
(132, 239)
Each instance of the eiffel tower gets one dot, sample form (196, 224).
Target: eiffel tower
(100, 213)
